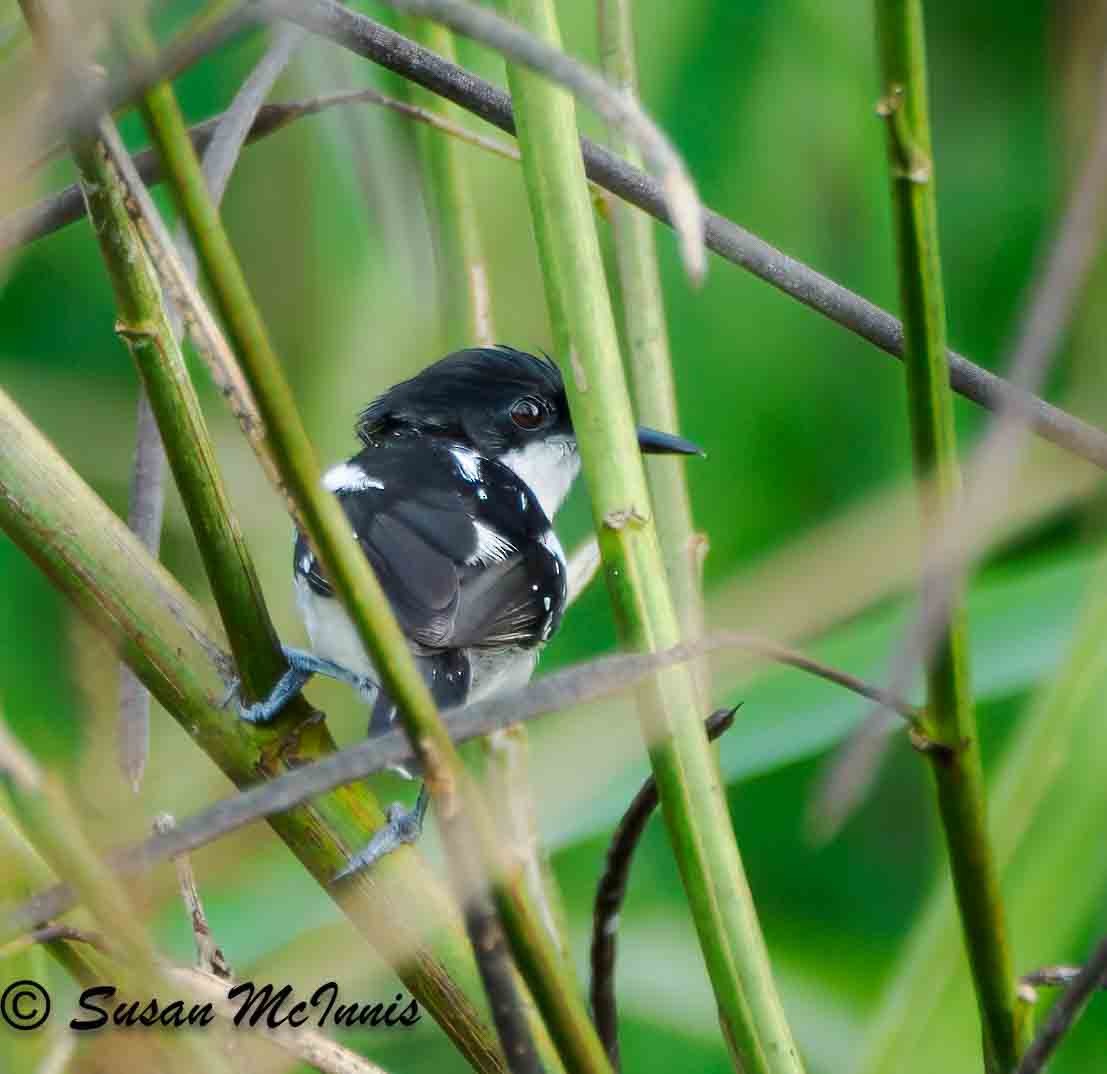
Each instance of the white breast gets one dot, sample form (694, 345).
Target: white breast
(549, 467)
(334, 637)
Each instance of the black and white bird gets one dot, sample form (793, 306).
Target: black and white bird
(452, 499)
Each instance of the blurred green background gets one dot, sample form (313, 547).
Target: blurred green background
(802, 497)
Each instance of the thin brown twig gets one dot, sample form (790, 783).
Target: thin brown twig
(597, 679)
(58, 210)
(724, 237)
(49, 933)
(209, 956)
(308, 1045)
(1066, 1011)
(611, 892)
(1050, 976)
(270, 118)
(204, 330)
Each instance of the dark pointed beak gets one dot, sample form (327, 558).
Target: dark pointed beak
(653, 442)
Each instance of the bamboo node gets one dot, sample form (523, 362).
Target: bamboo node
(624, 516)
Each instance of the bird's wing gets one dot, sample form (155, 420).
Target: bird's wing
(453, 581)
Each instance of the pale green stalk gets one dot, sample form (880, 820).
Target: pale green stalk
(647, 338)
(469, 322)
(464, 279)
(142, 324)
(950, 722)
(687, 776)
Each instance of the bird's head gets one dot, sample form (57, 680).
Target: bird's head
(503, 404)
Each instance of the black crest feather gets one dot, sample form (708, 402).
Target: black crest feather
(434, 401)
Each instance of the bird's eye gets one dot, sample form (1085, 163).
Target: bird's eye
(527, 413)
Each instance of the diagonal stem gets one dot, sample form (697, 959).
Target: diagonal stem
(470, 840)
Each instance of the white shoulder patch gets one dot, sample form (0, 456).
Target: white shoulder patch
(491, 547)
(468, 463)
(348, 477)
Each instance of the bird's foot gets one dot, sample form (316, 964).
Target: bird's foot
(404, 827)
(302, 665)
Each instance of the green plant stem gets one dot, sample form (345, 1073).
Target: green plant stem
(950, 722)
(470, 837)
(91, 556)
(686, 773)
(648, 359)
(469, 321)
(468, 298)
(143, 326)
(1032, 773)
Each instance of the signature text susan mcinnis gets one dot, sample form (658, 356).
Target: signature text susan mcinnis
(253, 1005)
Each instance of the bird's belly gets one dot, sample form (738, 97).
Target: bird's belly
(493, 671)
(333, 636)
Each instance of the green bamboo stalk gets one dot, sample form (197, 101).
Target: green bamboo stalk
(1031, 773)
(647, 339)
(468, 297)
(950, 722)
(91, 556)
(471, 837)
(687, 776)
(468, 320)
(144, 327)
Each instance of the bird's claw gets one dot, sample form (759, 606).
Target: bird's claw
(301, 666)
(404, 827)
(234, 688)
